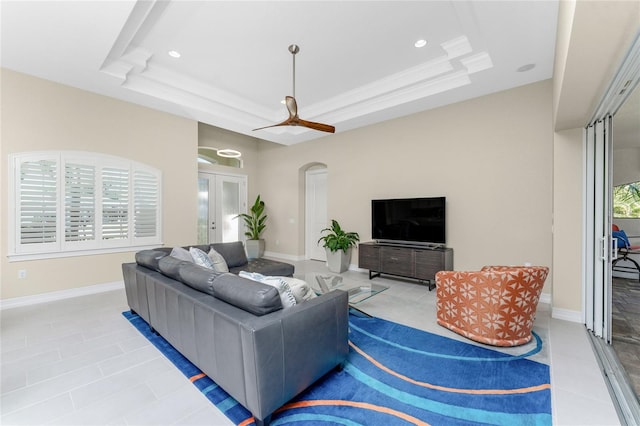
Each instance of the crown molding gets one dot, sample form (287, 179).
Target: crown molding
(135, 70)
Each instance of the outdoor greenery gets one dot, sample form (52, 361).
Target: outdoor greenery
(337, 239)
(255, 220)
(626, 200)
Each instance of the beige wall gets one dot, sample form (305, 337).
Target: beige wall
(592, 39)
(41, 115)
(568, 207)
(491, 157)
(215, 137)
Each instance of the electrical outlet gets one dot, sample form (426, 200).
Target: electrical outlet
(22, 274)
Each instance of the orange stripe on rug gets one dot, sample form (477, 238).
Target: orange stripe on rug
(363, 405)
(448, 389)
(196, 377)
(340, 402)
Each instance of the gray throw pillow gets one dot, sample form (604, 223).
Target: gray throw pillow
(219, 264)
(182, 254)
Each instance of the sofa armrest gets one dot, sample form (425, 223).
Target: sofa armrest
(286, 351)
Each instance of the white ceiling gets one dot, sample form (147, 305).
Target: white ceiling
(357, 63)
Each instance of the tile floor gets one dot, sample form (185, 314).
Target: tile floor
(79, 362)
(626, 327)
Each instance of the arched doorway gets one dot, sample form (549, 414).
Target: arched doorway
(316, 186)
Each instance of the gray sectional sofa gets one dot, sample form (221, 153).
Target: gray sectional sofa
(236, 331)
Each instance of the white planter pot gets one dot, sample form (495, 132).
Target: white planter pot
(255, 249)
(338, 261)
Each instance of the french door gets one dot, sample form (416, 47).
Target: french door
(220, 199)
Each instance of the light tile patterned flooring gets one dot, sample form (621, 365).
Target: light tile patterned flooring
(626, 328)
(79, 362)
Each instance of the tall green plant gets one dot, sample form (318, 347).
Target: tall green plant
(254, 220)
(337, 239)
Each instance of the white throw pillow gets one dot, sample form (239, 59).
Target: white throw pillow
(286, 296)
(219, 264)
(300, 289)
(200, 258)
(182, 254)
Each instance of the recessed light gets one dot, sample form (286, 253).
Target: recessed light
(526, 68)
(420, 43)
(174, 54)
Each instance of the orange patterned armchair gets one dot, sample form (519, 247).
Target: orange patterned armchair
(496, 305)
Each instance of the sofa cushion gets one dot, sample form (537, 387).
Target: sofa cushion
(233, 253)
(170, 266)
(254, 297)
(286, 296)
(150, 258)
(266, 267)
(198, 277)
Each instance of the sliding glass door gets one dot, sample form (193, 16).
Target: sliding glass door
(598, 243)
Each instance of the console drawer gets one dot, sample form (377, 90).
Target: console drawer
(396, 261)
(369, 257)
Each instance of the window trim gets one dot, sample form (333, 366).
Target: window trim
(61, 248)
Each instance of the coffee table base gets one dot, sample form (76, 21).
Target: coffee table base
(358, 290)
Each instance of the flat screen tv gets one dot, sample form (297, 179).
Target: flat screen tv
(409, 221)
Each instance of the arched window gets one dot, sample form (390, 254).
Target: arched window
(67, 203)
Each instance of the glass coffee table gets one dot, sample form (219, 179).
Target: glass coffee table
(324, 282)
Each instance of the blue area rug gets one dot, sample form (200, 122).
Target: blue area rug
(397, 375)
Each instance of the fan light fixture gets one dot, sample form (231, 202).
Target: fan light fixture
(229, 153)
(292, 106)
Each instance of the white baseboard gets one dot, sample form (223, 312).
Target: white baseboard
(282, 256)
(17, 302)
(545, 298)
(567, 315)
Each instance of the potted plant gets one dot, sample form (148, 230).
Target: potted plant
(338, 244)
(254, 222)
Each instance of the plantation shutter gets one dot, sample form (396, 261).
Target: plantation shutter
(115, 203)
(146, 196)
(38, 202)
(68, 203)
(80, 207)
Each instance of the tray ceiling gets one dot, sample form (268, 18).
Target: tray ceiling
(357, 65)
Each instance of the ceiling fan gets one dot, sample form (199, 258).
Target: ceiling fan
(292, 106)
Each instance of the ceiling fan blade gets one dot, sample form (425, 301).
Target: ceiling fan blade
(292, 105)
(317, 126)
(287, 122)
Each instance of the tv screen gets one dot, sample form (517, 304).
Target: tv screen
(411, 220)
